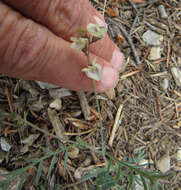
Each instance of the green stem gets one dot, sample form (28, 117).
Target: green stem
(97, 102)
(100, 120)
(88, 52)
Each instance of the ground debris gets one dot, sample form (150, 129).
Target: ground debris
(57, 125)
(5, 146)
(147, 89)
(152, 38)
(163, 163)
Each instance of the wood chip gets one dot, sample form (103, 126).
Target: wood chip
(163, 164)
(111, 94)
(57, 125)
(115, 126)
(84, 104)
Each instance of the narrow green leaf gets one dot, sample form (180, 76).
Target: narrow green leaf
(23, 178)
(45, 150)
(118, 174)
(122, 187)
(40, 167)
(57, 187)
(53, 161)
(86, 177)
(108, 184)
(130, 180)
(65, 162)
(5, 186)
(82, 144)
(144, 182)
(17, 172)
(32, 160)
(42, 187)
(25, 116)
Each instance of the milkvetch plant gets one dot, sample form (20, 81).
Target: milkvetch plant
(82, 43)
(86, 37)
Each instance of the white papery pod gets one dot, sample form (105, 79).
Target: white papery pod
(94, 71)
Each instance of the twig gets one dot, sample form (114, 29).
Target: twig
(159, 108)
(133, 5)
(127, 36)
(105, 3)
(146, 54)
(115, 126)
(165, 73)
(150, 26)
(80, 133)
(168, 54)
(39, 129)
(177, 93)
(134, 22)
(140, 5)
(159, 60)
(9, 99)
(84, 105)
(137, 15)
(129, 74)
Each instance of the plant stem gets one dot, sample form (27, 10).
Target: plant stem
(100, 121)
(98, 105)
(88, 52)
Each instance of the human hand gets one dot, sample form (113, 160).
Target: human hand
(35, 43)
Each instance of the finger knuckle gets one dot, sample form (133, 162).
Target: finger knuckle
(66, 16)
(29, 45)
(25, 46)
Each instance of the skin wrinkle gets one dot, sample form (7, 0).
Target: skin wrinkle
(9, 23)
(40, 52)
(3, 44)
(43, 62)
(3, 16)
(16, 55)
(35, 59)
(22, 50)
(71, 18)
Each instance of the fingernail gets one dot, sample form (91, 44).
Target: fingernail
(109, 78)
(99, 21)
(117, 59)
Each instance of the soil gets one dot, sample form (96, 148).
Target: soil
(147, 91)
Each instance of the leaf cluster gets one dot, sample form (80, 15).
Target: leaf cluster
(124, 174)
(33, 162)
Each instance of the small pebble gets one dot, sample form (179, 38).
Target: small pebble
(164, 84)
(176, 73)
(178, 155)
(163, 164)
(5, 146)
(111, 94)
(152, 38)
(59, 93)
(162, 11)
(155, 53)
(73, 153)
(45, 85)
(56, 104)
